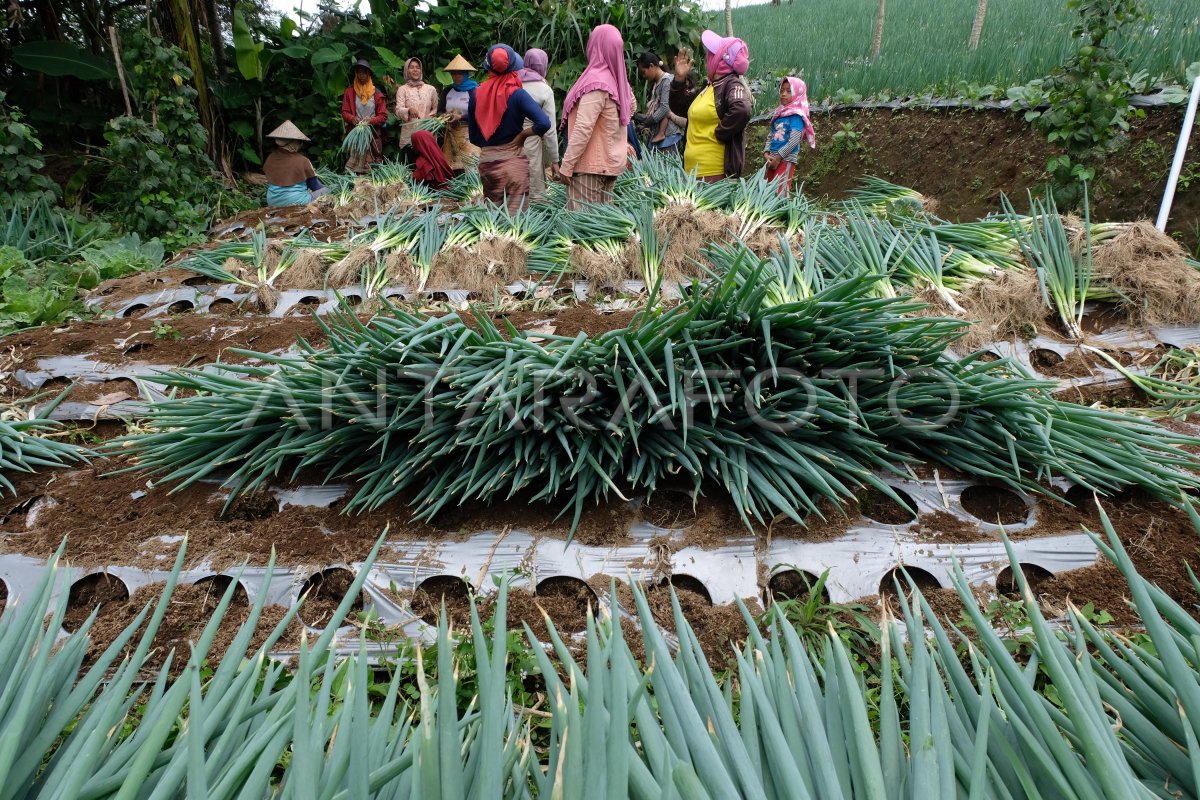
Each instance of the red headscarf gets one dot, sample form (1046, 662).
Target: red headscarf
(431, 168)
(605, 72)
(491, 98)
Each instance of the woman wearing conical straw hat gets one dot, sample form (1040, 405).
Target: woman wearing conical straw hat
(291, 179)
(362, 103)
(456, 145)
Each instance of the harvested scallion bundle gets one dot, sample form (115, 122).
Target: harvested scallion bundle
(23, 449)
(1065, 277)
(358, 140)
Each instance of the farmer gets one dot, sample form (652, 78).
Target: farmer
(543, 152)
(666, 129)
(363, 103)
(790, 125)
(496, 116)
(291, 179)
(431, 167)
(597, 111)
(718, 113)
(456, 145)
(415, 100)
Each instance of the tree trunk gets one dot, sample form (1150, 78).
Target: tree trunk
(977, 28)
(214, 35)
(187, 37)
(728, 18)
(774, 2)
(877, 44)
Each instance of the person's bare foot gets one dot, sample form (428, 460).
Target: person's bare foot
(660, 138)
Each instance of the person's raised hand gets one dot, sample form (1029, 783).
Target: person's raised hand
(683, 65)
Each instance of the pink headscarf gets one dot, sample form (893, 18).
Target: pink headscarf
(725, 54)
(798, 107)
(605, 72)
(536, 65)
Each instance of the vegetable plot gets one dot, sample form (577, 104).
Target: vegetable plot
(780, 405)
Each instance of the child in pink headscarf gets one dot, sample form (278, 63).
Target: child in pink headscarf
(790, 125)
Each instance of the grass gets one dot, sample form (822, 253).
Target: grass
(925, 44)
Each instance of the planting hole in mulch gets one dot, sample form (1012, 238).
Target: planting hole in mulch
(3, 596)
(686, 583)
(181, 307)
(988, 356)
(215, 587)
(1083, 498)
(309, 301)
(1035, 576)
(792, 584)
(995, 505)
(222, 305)
(323, 593)
(902, 575)
(669, 509)
(89, 593)
(566, 600)
(1044, 360)
(134, 309)
(427, 599)
(199, 280)
(877, 506)
(250, 506)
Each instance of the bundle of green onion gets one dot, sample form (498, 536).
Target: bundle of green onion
(24, 448)
(726, 389)
(358, 140)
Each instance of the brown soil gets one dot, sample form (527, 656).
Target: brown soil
(456, 592)
(590, 321)
(944, 528)
(189, 340)
(1159, 539)
(187, 614)
(90, 592)
(708, 525)
(793, 585)
(252, 526)
(877, 506)
(323, 593)
(1076, 364)
(715, 626)
(994, 504)
(966, 159)
(116, 290)
(1118, 394)
(568, 322)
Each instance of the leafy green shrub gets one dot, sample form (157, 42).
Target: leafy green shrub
(21, 162)
(158, 180)
(33, 294)
(114, 258)
(1088, 95)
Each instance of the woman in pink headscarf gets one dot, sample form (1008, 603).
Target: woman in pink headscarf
(597, 112)
(717, 113)
(791, 124)
(542, 151)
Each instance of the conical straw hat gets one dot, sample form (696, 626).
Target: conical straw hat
(459, 64)
(288, 131)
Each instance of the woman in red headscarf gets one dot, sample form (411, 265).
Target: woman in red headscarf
(718, 113)
(496, 119)
(431, 168)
